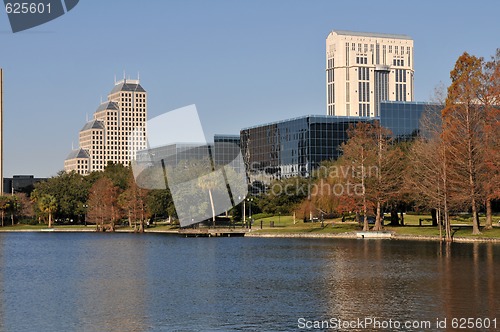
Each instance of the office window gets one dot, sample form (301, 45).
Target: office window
(347, 54)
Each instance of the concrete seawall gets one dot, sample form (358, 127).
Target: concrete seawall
(353, 235)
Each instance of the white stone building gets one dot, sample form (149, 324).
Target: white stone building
(363, 69)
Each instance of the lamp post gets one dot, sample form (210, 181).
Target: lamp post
(244, 219)
(250, 200)
(85, 206)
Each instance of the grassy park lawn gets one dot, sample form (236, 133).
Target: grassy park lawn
(285, 224)
(8, 227)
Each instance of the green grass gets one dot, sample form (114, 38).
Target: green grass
(414, 230)
(285, 224)
(44, 226)
(10, 227)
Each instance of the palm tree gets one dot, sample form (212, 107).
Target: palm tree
(48, 204)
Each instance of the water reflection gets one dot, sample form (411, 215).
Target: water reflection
(61, 282)
(130, 282)
(467, 281)
(112, 295)
(378, 279)
(2, 286)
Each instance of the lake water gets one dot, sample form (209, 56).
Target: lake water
(154, 282)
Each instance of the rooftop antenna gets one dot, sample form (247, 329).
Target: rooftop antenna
(138, 76)
(115, 79)
(72, 145)
(124, 74)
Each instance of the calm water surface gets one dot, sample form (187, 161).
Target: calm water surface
(131, 282)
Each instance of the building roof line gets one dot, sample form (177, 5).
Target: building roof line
(322, 116)
(78, 153)
(370, 34)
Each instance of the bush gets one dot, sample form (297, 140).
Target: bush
(28, 221)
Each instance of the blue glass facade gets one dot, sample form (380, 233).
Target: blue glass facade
(293, 147)
(403, 118)
(296, 146)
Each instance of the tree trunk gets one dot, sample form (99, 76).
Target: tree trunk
(394, 217)
(378, 218)
(3, 214)
(475, 218)
(440, 224)
(378, 225)
(449, 237)
(50, 220)
(489, 221)
(472, 179)
(402, 218)
(365, 210)
(434, 217)
(446, 220)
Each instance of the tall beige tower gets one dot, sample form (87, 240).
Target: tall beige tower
(106, 138)
(1, 131)
(363, 69)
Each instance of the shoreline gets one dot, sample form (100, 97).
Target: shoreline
(352, 235)
(347, 235)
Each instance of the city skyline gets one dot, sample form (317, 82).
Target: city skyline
(242, 63)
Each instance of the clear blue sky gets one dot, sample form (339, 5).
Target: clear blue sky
(241, 62)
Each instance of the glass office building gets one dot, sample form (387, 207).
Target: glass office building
(226, 151)
(297, 146)
(293, 147)
(403, 119)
